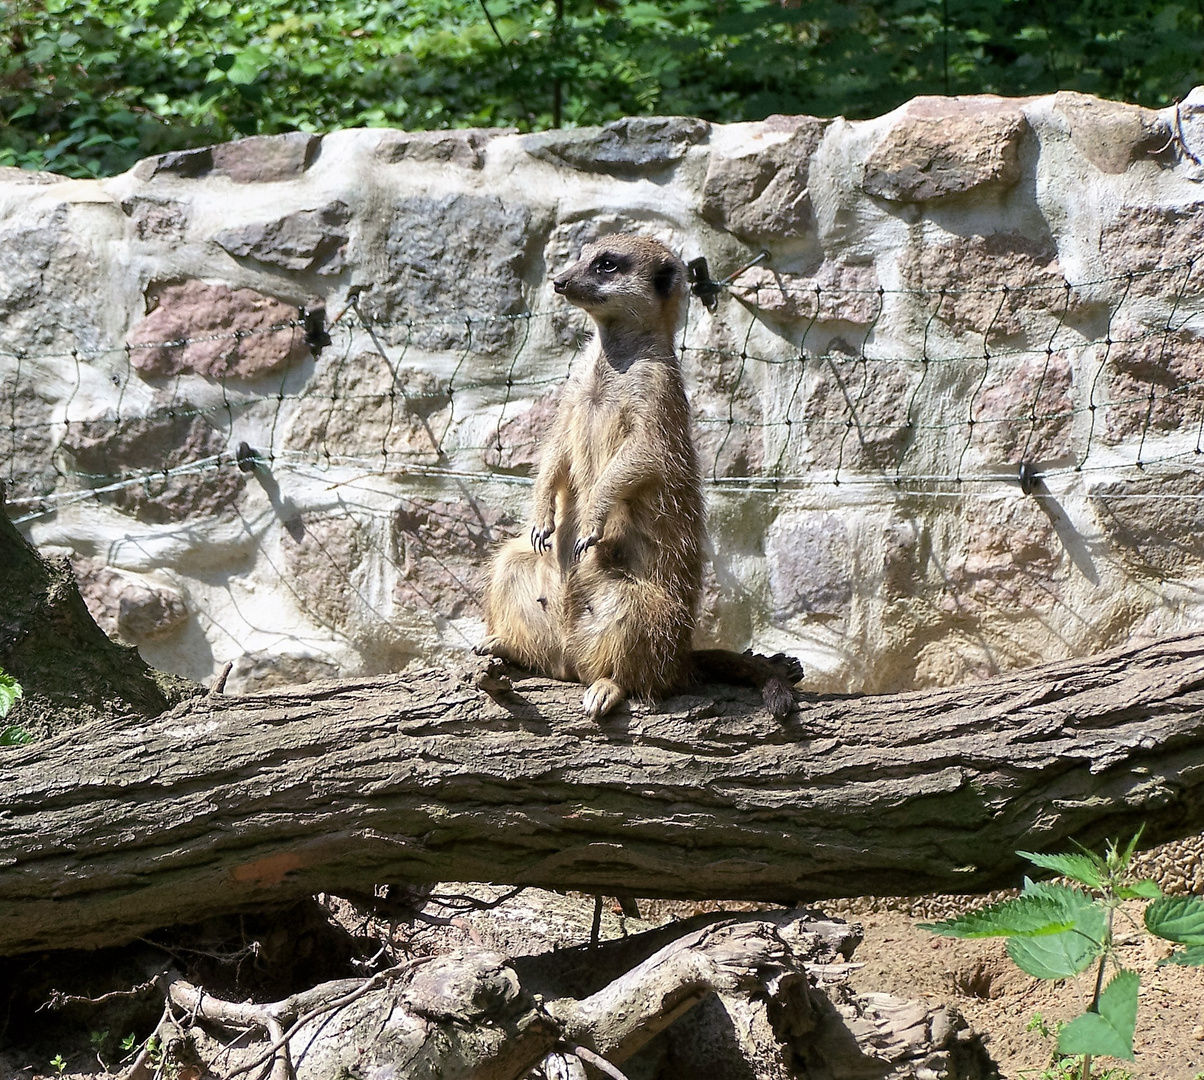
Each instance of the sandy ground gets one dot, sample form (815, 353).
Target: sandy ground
(999, 1000)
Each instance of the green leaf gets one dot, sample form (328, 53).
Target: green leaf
(1058, 956)
(1145, 889)
(1023, 916)
(10, 693)
(1087, 869)
(14, 736)
(1110, 1030)
(1177, 918)
(1192, 956)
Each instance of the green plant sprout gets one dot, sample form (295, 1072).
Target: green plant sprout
(1061, 1067)
(1055, 931)
(10, 694)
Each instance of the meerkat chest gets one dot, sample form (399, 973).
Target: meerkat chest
(602, 421)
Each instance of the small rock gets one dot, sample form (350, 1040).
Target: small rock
(936, 146)
(810, 565)
(464, 147)
(304, 241)
(632, 146)
(228, 332)
(762, 193)
(1110, 134)
(156, 218)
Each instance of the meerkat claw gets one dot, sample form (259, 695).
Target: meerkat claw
(539, 538)
(583, 545)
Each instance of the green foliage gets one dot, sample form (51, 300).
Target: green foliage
(10, 694)
(1055, 931)
(88, 86)
(1108, 1030)
(1058, 956)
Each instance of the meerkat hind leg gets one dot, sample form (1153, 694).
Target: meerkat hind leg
(523, 605)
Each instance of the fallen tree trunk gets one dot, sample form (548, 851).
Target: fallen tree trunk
(227, 804)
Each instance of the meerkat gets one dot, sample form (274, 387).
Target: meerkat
(604, 588)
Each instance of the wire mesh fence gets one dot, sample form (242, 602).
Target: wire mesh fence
(892, 391)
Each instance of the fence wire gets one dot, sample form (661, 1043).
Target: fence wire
(794, 388)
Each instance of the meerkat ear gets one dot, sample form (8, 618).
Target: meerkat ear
(664, 280)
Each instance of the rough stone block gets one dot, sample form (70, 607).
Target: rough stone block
(1027, 414)
(762, 194)
(855, 416)
(213, 330)
(305, 241)
(441, 549)
(810, 565)
(258, 159)
(1110, 134)
(633, 146)
(516, 442)
(106, 450)
(1007, 559)
(464, 147)
(999, 285)
(25, 443)
(126, 606)
(1156, 382)
(933, 147)
(358, 409)
(836, 292)
(1155, 523)
(1151, 249)
(451, 259)
(256, 672)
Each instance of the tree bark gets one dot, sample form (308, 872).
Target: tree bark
(70, 671)
(227, 804)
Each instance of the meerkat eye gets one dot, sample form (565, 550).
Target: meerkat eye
(605, 264)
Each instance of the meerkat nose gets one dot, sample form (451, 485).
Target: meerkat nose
(560, 284)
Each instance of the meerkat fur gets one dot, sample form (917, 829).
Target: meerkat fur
(604, 589)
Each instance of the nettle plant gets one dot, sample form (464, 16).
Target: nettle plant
(1056, 931)
(10, 694)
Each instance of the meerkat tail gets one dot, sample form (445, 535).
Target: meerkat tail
(774, 676)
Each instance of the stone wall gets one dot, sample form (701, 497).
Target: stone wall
(950, 421)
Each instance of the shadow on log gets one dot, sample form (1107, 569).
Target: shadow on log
(226, 804)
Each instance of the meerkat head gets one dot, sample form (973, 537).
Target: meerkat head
(629, 280)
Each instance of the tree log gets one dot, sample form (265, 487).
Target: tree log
(233, 803)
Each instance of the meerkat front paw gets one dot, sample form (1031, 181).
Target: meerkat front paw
(584, 543)
(601, 697)
(541, 534)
